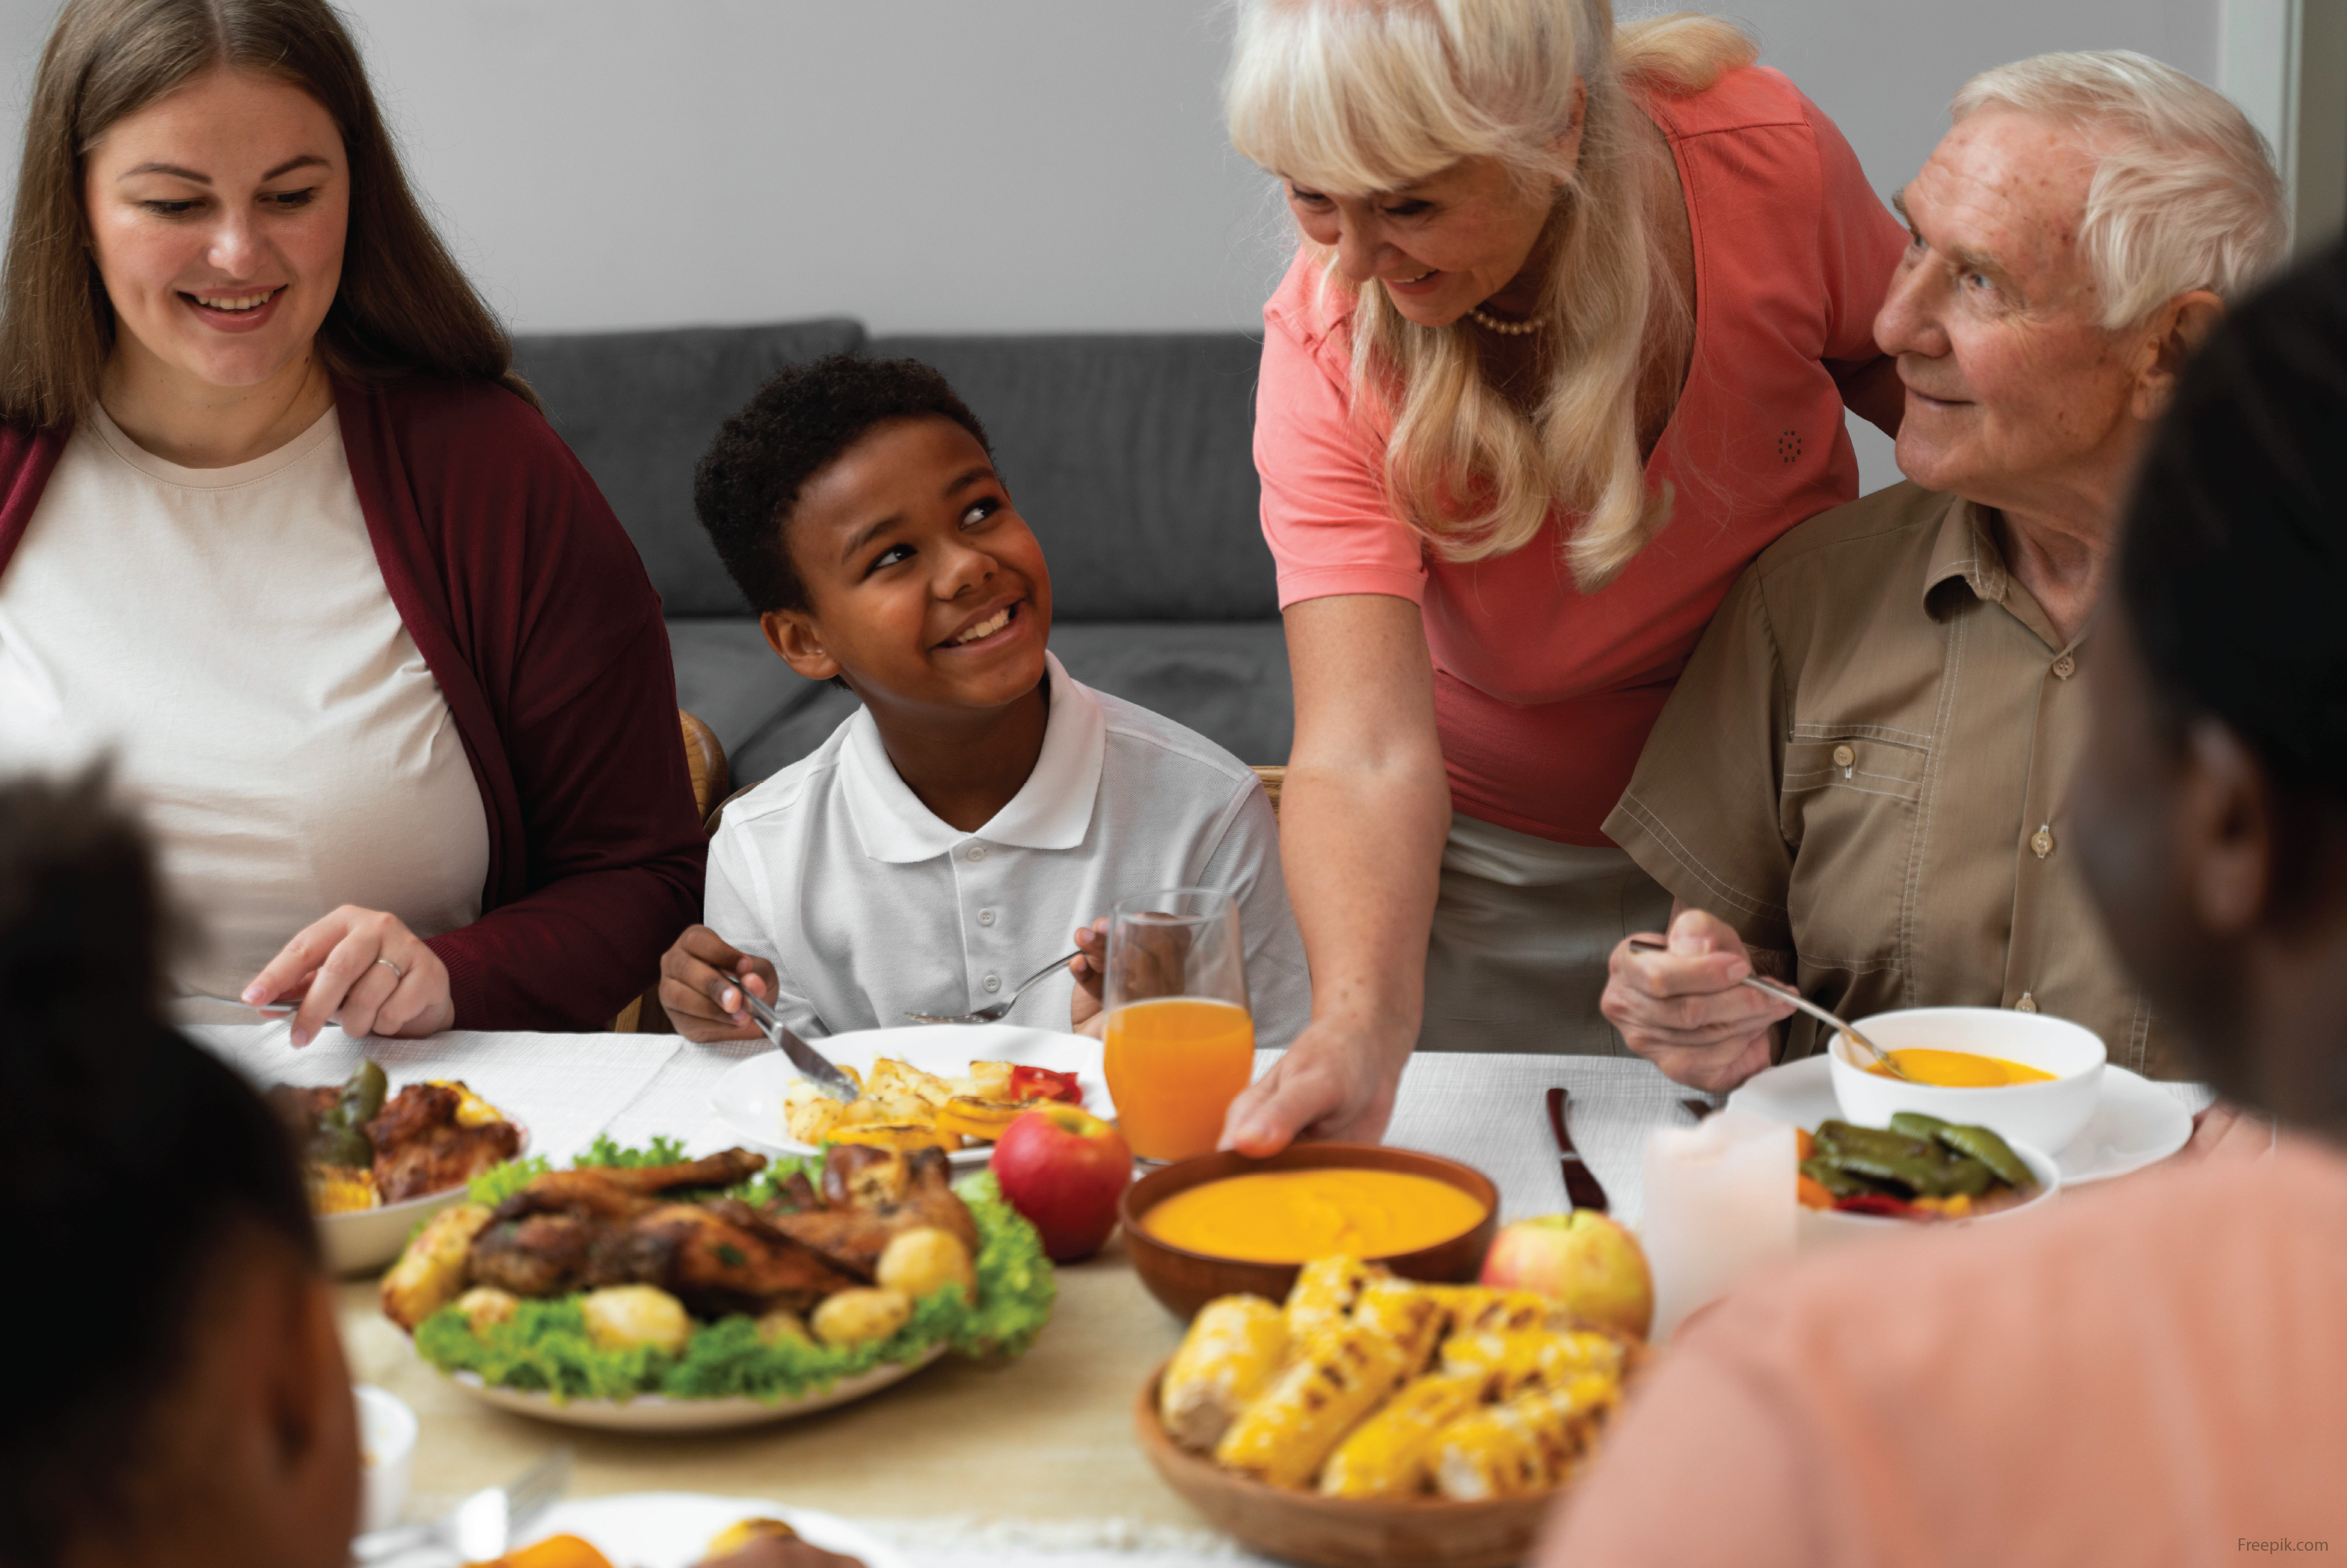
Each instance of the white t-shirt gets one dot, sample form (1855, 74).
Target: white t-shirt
(869, 905)
(225, 635)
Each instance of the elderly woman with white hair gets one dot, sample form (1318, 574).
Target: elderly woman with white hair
(1863, 781)
(1574, 322)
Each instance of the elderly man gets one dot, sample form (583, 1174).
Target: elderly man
(2149, 1372)
(1861, 783)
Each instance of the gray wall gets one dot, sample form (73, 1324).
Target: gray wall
(970, 165)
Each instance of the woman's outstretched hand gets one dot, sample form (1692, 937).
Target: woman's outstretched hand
(1328, 1085)
(367, 972)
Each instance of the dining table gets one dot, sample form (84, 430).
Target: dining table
(965, 1464)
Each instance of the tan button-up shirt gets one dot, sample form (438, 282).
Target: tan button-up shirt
(1867, 767)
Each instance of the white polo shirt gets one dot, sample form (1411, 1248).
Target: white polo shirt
(869, 907)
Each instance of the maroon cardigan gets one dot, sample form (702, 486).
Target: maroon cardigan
(530, 606)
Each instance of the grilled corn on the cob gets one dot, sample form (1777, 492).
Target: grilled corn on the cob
(1336, 1379)
(1524, 1360)
(1409, 1314)
(1322, 1295)
(1233, 1349)
(1478, 1309)
(1525, 1445)
(1392, 1453)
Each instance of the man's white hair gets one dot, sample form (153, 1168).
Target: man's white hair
(2184, 196)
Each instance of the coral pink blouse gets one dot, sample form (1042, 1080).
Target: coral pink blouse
(1543, 694)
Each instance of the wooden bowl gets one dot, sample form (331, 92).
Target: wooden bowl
(1185, 1280)
(1342, 1532)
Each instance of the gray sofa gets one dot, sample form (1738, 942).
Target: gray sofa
(1129, 455)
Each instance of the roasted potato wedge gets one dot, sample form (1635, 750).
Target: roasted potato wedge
(431, 1273)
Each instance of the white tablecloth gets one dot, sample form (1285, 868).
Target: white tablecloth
(1485, 1110)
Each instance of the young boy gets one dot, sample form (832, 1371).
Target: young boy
(948, 838)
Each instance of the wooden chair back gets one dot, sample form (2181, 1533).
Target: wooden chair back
(704, 759)
(1272, 779)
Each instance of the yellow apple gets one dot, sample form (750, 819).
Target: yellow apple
(1583, 1261)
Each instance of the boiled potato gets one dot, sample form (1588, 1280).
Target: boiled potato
(485, 1306)
(986, 1080)
(918, 1262)
(735, 1538)
(852, 1317)
(782, 1324)
(811, 1118)
(622, 1316)
(431, 1273)
(894, 1078)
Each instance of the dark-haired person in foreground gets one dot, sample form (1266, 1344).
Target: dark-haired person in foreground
(282, 535)
(944, 841)
(2153, 1371)
(178, 1392)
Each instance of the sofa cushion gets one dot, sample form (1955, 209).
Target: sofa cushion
(639, 408)
(1227, 680)
(1131, 457)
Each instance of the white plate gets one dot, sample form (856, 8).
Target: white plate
(658, 1413)
(2135, 1123)
(672, 1529)
(749, 1098)
(365, 1241)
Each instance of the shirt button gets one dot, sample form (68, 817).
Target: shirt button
(2026, 1004)
(976, 852)
(993, 984)
(986, 917)
(1844, 756)
(2042, 841)
(2065, 667)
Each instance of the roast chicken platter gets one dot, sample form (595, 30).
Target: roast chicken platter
(673, 1228)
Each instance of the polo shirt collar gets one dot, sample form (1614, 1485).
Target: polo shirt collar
(1053, 810)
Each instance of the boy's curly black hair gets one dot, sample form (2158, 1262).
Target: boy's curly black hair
(796, 426)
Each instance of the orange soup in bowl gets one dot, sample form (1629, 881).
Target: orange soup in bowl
(1293, 1216)
(1959, 1070)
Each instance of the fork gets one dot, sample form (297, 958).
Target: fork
(485, 1524)
(995, 1013)
(281, 1008)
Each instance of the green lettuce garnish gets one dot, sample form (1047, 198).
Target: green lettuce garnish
(544, 1346)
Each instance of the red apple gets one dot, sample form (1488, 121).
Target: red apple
(1065, 1169)
(1584, 1261)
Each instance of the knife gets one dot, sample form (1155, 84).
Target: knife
(1583, 1188)
(811, 1062)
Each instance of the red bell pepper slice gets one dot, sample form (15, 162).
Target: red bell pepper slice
(1877, 1203)
(1043, 1083)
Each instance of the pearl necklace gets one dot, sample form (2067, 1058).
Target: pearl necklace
(1505, 328)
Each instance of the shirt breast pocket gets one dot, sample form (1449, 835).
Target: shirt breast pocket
(1848, 805)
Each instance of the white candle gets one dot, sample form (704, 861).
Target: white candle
(1719, 1201)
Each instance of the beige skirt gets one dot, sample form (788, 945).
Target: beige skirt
(1522, 928)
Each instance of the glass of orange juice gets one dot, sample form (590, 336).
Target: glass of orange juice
(1180, 1041)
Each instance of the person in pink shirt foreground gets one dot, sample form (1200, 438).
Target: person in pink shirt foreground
(2155, 1370)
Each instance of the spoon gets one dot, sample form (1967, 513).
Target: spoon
(1786, 993)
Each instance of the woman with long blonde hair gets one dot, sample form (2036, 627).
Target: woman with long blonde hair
(1575, 317)
(282, 535)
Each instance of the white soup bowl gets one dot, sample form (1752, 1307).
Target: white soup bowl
(2046, 1114)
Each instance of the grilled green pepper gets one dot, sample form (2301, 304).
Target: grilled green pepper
(1993, 1152)
(363, 1096)
(1842, 1183)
